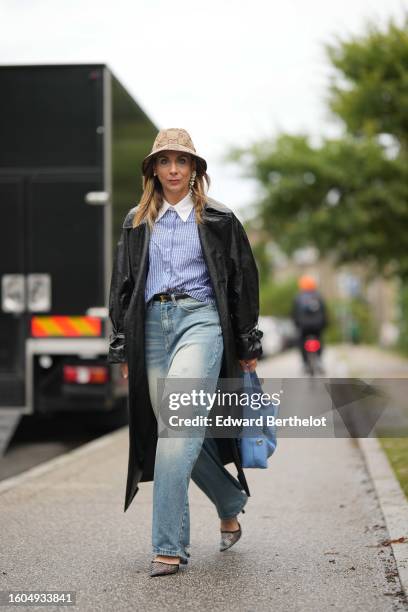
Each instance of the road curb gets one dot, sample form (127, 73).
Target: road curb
(392, 501)
(66, 458)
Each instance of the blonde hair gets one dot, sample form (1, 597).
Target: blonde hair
(152, 196)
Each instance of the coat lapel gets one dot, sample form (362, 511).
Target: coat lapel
(139, 246)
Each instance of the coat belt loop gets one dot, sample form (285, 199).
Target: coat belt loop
(173, 299)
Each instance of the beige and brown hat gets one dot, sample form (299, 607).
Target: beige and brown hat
(174, 139)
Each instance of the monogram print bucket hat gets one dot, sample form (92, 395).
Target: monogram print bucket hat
(174, 139)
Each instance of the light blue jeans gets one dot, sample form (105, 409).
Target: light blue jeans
(183, 339)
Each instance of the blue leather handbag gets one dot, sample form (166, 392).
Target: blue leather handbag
(257, 443)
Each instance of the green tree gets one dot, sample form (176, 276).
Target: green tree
(369, 91)
(347, 196)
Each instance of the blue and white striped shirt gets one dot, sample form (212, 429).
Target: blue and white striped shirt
(176, 262)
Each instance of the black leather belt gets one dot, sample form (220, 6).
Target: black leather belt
(166, 297)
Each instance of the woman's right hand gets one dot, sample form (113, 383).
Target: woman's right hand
(124, 370)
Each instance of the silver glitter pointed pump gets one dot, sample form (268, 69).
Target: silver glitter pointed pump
(160, 568)
(229, 538)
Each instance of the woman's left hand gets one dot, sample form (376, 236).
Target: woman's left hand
(248, 365)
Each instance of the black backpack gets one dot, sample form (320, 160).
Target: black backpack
(310, 310)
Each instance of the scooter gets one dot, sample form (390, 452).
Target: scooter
(312, 346)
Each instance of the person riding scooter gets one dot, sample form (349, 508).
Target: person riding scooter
(309, 316)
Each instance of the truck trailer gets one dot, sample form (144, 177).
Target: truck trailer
(72, 141)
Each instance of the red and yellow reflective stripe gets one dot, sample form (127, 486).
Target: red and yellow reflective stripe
(65, 326)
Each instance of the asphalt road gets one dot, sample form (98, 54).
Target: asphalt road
(312, 534)
(38, 439)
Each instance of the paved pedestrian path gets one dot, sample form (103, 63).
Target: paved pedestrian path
(312, 534)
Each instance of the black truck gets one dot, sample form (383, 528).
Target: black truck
(71, 144)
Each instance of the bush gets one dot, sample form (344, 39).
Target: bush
(403, 319)
(276, 298)
(350, 320)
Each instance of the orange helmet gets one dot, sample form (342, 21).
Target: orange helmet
(307, 283)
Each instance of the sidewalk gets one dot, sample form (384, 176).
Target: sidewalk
(370, 361)
(312, 535)
(375, 363)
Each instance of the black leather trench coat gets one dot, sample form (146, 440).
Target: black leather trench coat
(234, 276)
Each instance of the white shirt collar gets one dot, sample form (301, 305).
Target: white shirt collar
(183, 208)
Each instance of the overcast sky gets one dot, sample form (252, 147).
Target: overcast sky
(228, 71)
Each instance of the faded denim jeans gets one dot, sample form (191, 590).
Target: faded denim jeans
(183, 340)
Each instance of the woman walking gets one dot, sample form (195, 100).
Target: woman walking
(184, 304)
